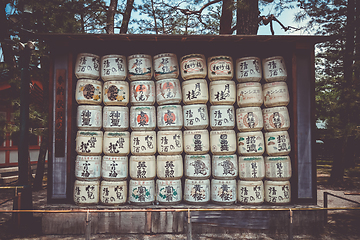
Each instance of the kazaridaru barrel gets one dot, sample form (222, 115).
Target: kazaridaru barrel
(223, 192)
(86, 192)
(113, 192)
(197, 191)
(168, 192)
(141, 192)
(87, 65)
(166, 66)
(113, 67)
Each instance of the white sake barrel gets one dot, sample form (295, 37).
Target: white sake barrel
(197, 166)
(223, 191)
(140, 67)
(197, 191)
(168, 91)
(276, 119)
(222, 92)
(169, 167)
(142, 167)
(195, 91)
(277, 192)
(277, 143)
(224, 166)
(274, 69)
(195, 116)
(86, 192)
(168, 191)
(89, 117)
(278, 168)
(88, 91)
(250, 143)
(113, 192)
(115, 118)
(113, 67)
(142, 93)
(196, 141)
(169, 117)
(223, 142)
(89, 143)
(141, 192)
(166, 66)
(114, 168)
(193, 66)
(251, 168)
(222, 117)
(249, 119)
(170, 142)
(142, 118)
(249, 94)
(276, 94)
(220, 68)
(248, 69)
(143, 142)
(87, 65)
(116, 93)
(116, 143)
(250, 192)
(87, 167)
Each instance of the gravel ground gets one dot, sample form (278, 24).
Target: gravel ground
(341, 224)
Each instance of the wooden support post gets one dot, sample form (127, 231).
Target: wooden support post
(291, 225)
(189, 230)
(87, 226)
(325, 206)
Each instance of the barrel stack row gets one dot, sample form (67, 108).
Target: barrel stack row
(169, 141)
(274, 120)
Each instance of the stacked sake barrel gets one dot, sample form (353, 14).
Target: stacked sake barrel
(251, 120)
(197, 163)
(250, 137)
(276, 124)
(222, 135)
(89, 138)
(116, 145)
(142, 164)
(169, 135)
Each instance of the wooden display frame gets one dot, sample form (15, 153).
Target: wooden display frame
(298, 52)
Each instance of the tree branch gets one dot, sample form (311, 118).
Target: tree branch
(189, 12)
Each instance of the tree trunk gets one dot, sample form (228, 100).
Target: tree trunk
(110, 17)
(247, 17)
(154, 16)
(41, 163)
(226, 17)
(4, 34)
(337, 169)
(357, 43)
(126, 16)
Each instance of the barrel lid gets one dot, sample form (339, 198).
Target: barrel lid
(248, 84)
(274, 109)
(90, 133)
(247, 58)
(221, 157)
(220, 57)
(87, 80)
(164, 55)
(274, 84)
(277, 158)
(169, 157)
(112, 56)
(142, 158)
(88, 55)
(139, 56)
(193, 55)
(116, 134)
(114, 158)
(251, 158)
(272, 58)
(248, 109)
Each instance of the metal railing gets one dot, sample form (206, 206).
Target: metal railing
(326, 194)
